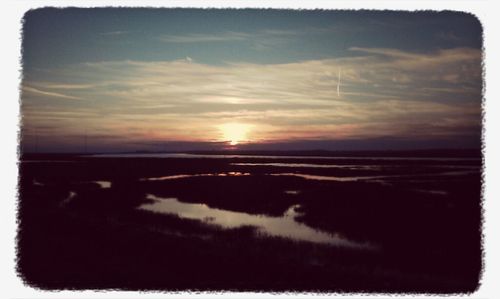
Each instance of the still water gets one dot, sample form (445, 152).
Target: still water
(183, 176)
(284, 226)
(103, 184)
(308, 165)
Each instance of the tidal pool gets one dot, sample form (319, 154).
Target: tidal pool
(70, 197)
(103, 184)
(183, 176)
(328, 178)
(373, 178)
(284, 226)
(309, 165)
(37, 183)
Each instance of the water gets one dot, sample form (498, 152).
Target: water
(308, 165)
(284, 226)
(351, 212)
(377, 178)
(70, 197)
(434, 192)
(47, 161)
(328, 178)
(37, 183)
(103, 184)
(301, 175)
(183, 176)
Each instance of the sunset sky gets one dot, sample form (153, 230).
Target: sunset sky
(170, 79)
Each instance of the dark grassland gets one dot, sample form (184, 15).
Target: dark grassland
(425, 241)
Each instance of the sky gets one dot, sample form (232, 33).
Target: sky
(130, 79)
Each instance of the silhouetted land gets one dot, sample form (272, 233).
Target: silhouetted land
(376, 153)
(421, 216)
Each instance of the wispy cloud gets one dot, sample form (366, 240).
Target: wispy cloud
(63, 86)
(448, 36)
(203, 38)
(38, 92)
(259, 40)
(385, 92)
(340, 27)
(118, 32)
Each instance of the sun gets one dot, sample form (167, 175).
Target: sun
(235, 133)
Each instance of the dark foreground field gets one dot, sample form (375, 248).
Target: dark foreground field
(415, 224)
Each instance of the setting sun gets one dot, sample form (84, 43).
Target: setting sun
(234, 133)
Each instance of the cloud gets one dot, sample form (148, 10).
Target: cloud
(33, 91)
(426, 61)
(259, 40)
(266, 37)
(118, 32)
(448, 36)
(443, 68)
(386, 52)
(203, 38)
(62, 86)
(385, 92)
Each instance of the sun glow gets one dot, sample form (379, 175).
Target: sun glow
(235, 133)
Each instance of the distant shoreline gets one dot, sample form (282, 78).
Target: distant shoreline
(448, 153)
